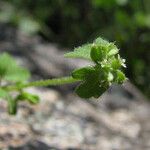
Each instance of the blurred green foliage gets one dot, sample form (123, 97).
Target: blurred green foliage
(72, 22)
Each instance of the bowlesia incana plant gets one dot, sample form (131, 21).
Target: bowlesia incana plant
(94, 80)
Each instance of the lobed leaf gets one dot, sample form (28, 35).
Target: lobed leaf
(90, 87)
(81, 52)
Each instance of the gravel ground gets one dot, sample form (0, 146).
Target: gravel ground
(71, 123)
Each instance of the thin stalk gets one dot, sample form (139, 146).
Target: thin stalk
(48, 82)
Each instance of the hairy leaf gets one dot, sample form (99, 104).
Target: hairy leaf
(96, 54)
(90, 87)
(82, 72)
(101, 41)
(81, 52)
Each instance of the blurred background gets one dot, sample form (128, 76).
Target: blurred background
(37, 33)
(70, 23)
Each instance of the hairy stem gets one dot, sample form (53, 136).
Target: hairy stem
(53, 82)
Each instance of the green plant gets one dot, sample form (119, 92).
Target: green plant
(72, 22)
(94, 80)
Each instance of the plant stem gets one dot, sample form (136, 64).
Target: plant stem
(56, 81)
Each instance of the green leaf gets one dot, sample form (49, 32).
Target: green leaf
(99, 91)
(18, 74)
(3, 93)
(96, 54)
(9, 70)
(90, 87)
(33, 99)
(5, 63)
(81, 52)
(82, 72)
(84, 91)
(85, 50)
(88, 90)
(101, 41)
(110, 48)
